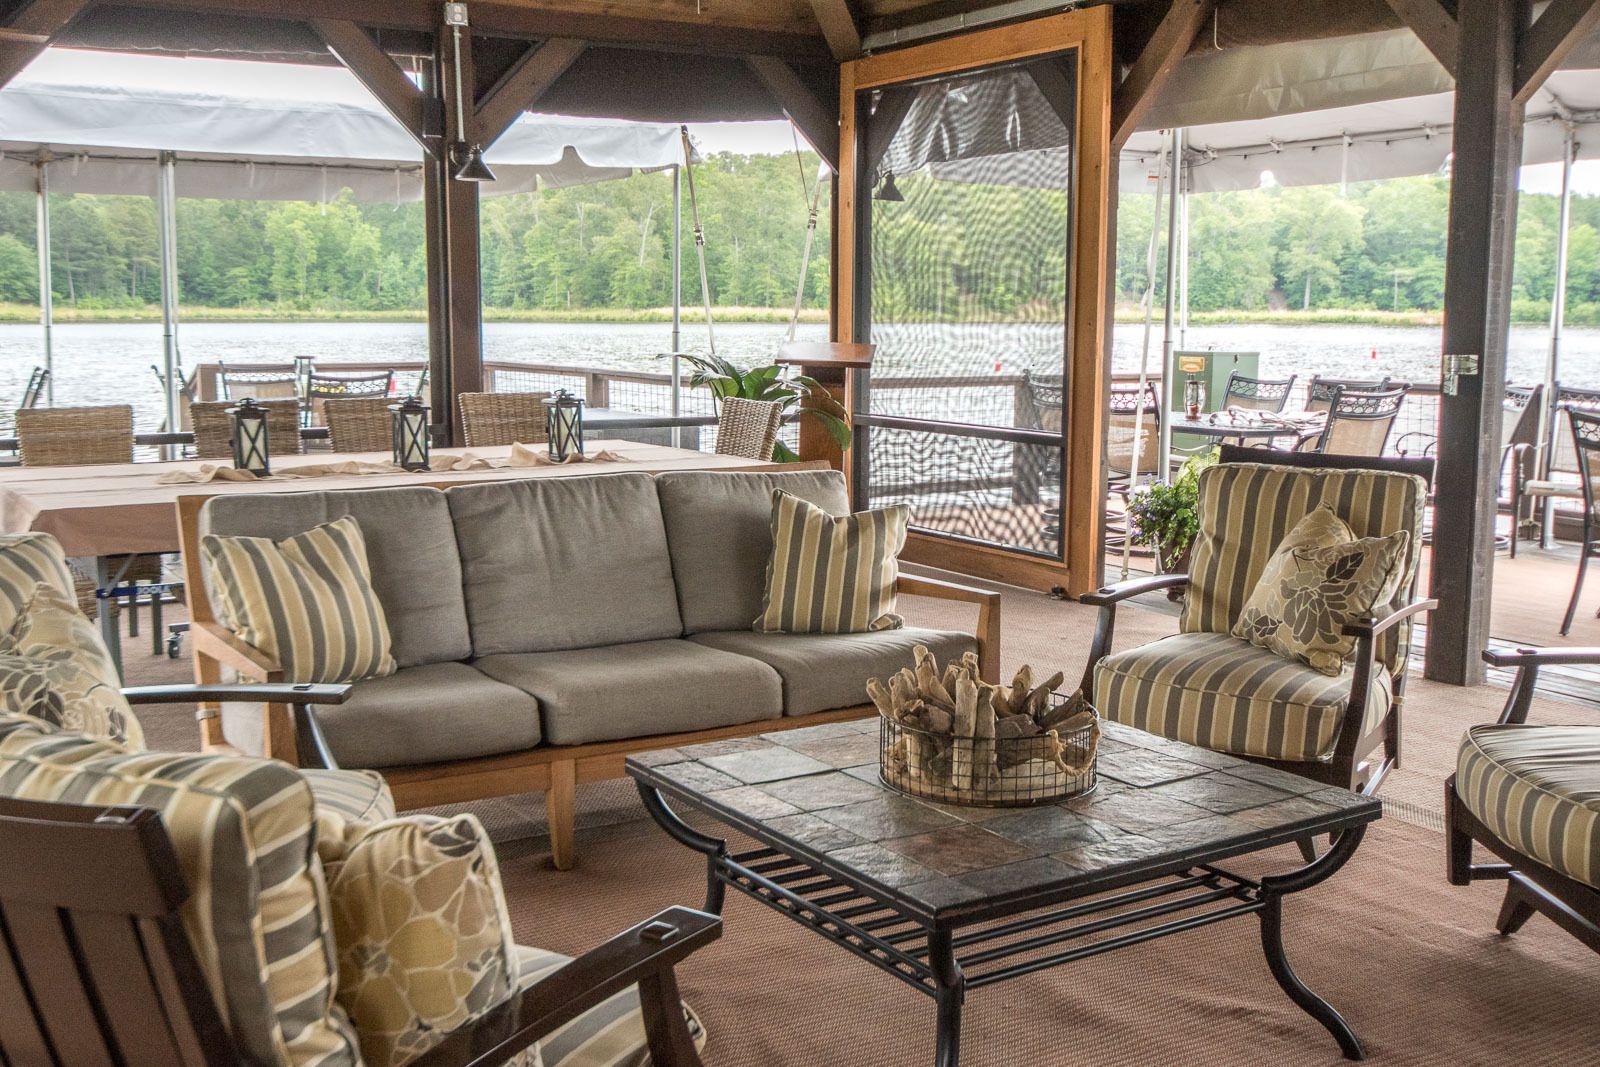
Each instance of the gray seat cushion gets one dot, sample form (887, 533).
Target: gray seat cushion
(444, 711)
(821, 672)
(560, 563)
(641, 689)
(719, 527)
(411, 552)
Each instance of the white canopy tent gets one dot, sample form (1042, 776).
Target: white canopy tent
(74, 138)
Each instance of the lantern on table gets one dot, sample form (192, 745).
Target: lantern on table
(410, 434)
(1194, 390)
(563, 415)
(250, 451)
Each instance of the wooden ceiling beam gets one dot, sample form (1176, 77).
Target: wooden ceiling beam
(497, 18)
(382, 76)
(839, 27)
(1160, 55)
(522, 86)
(30, 31)
(817, 123)
(1544, 45)
(1434, 26)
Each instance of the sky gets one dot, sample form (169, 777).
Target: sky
(282, 81)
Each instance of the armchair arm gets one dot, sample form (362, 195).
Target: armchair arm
(988, 628)
(1370, 628)
(1366, 633)
(1105, 627)
(277, 693)
(643, 956)
(1526, 662)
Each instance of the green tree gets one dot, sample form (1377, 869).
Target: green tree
(19, 271)
(1317, 227)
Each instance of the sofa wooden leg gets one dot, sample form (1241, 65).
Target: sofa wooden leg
(561, 810)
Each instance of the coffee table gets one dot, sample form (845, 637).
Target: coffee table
(949, 898)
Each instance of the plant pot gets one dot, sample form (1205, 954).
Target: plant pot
(1174, 563)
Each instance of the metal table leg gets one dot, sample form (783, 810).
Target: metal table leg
(106, 610)
(714, 848)
(950, 995)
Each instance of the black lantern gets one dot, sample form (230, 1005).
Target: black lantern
(410, 434)
(250, 452)
(563, 415)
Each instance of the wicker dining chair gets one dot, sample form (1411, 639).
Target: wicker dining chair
(1257, 394)
(748, 428)
(70, 437)
(213, 427)
(360, 423)
(490, 419)
(259, 381)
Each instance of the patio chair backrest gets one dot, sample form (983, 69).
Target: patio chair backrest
(1519, 419)
(1041, 406)
(748, 428)
(107, 880)
(37, 380)
(1586, 446)
(1257, 394)
(213, 427)
(1246, 508)
(490, 419)
(1321, 392)
(67, 437)
(1569, 398)
(259, 381)
(360, 423)
(328, 386)
(1130, 404)
(1359, 421)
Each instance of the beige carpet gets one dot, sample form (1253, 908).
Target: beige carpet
(1412, 961)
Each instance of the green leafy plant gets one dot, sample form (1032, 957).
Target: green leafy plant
(795, 392)
(1166, 514)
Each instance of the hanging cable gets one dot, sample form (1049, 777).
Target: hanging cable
(814, 195)
(699, 237)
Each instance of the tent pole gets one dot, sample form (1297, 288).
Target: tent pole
(1148, 304)
(1548, 427)
(677, 301)
(1168, 385)
(47, 313)
(167, 212)
(1183, 263)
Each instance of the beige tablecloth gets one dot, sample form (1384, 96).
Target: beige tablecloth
(130, 507)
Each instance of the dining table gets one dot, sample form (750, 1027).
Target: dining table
(105, 515)
(1252, 426)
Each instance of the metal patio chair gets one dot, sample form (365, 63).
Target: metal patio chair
(259, 381)
(1321, 392)
(1558, 478)
(1586, 447)
(1257, 394)
(1359, 422)
(322, 387)
(38, 379)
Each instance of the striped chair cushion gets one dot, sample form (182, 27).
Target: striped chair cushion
(609, 1035)
(831, 575)
(1246, 510)
(347, 803)
(1227, 695)
(1537, 788)
(307, 601)
(423, 932)
(25, 561)
(244, 834)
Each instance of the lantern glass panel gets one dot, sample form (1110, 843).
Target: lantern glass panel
(250, 447)
(564, 425)
(411, 435)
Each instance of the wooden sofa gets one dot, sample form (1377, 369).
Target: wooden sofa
(535, 583)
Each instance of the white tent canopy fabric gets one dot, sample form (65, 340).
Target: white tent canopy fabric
(105, 139)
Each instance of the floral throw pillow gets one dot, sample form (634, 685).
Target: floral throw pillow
(1320, 578)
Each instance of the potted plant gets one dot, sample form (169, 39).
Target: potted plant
(768, 383)
(1165, 515)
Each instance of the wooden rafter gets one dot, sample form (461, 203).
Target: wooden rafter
(1168, 44)
(382, 76)
(1548, 41)
(522, 86)
(839, 27)
(1434, 26)
(818, 123)
(30, 31)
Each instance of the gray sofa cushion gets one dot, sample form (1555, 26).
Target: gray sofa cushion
(411, 551)
(636, 690)
(719, 527)
(825, 671)
(559, 563)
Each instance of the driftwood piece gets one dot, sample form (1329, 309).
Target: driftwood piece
(966, 720)
(983, 747)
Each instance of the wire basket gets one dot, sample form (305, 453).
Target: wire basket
(988, 772)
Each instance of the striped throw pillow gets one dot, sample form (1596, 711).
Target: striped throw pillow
(831, 575)
(307, 601)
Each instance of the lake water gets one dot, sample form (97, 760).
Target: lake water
(112, 363)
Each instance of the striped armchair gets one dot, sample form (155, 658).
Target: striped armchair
(1206, 687)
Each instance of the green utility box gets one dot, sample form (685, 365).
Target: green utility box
(1213, 372)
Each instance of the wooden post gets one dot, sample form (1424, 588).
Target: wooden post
(1477, 307)
(833, 365)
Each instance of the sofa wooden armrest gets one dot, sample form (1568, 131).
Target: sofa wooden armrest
(286, 728)
(223, 647)
(644, 956)
(988, 628)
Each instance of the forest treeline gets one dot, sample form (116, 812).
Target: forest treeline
(956, 251)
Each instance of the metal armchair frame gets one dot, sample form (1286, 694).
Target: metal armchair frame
(1531, 886)
(1262, 394)
(1353, 765)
